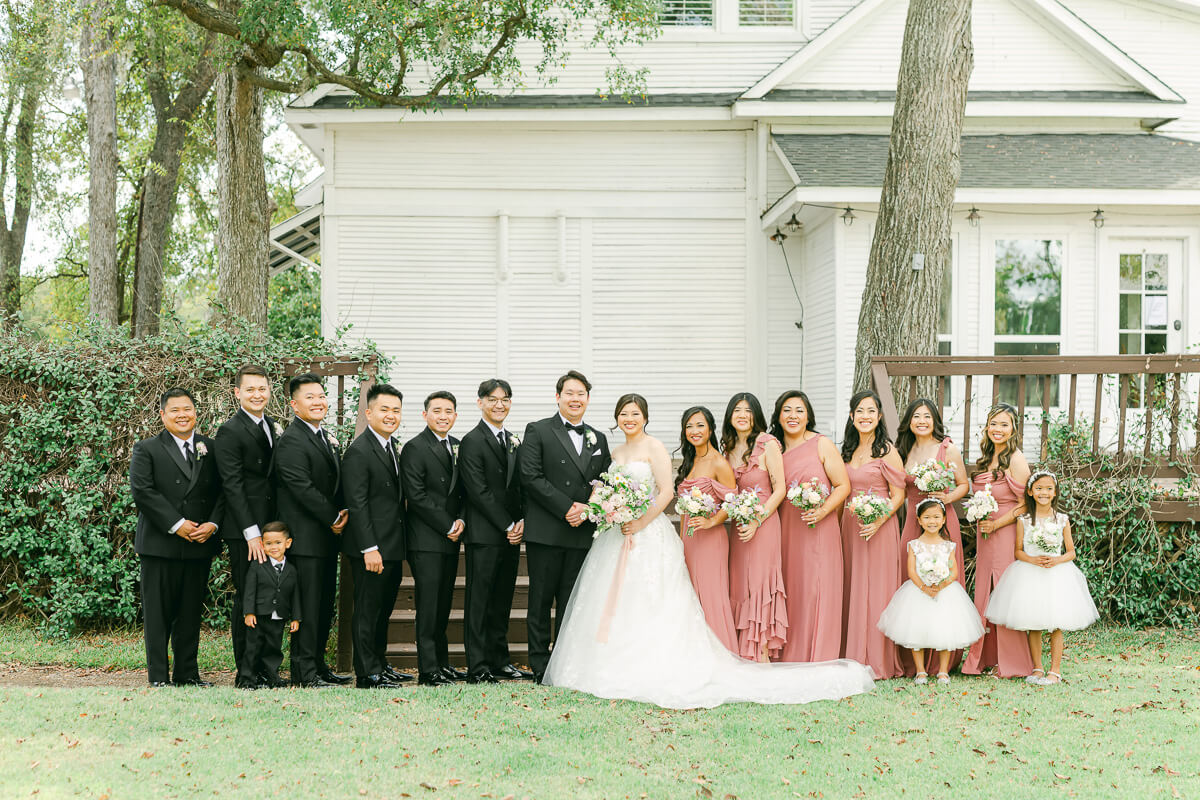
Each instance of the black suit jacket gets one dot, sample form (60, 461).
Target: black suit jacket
(553, 476)
(165, 489)
(433, 493)
(374, 497)
(244, 459)
(267, 590)
(493, 486)
(308, 478)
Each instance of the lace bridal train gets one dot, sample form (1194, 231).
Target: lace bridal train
(634, 630)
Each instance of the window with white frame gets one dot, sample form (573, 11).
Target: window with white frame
(1028, 304)
(766, 13)
(687, 13)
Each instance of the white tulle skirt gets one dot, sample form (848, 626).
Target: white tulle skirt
(1032, 598)
(658, 648)
(946, 621)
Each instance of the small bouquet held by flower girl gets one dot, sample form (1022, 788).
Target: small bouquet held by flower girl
(807, 496)
(869, 507)
(933, 476)
(1047, 535)
(744, 508)
(931, 569)
(980, 505)
(618, 498)
(695, 503)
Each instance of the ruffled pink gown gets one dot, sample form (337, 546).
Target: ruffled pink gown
(1000, 647)
(812, 566)
(911, 531)
(755, 570)
(707, 555)
(870, 571)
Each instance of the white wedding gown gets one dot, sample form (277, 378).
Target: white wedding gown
(656, 646)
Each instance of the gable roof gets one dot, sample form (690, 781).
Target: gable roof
(1065, 24)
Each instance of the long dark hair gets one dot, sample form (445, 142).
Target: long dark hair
(686, 447)
(932, 501)
(758, 424)
(987, 449)
(882, 443)
(776, 427)
(905, 438)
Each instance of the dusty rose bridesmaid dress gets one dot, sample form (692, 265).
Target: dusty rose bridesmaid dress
(1000, 647)
(911, 531)
(812, 566)
(707, 555)
(871, 575)
(755, 570)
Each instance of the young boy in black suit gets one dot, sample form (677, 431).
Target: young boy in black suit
(271, 597)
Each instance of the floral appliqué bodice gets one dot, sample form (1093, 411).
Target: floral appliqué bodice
(933, 561)
(1043, 537)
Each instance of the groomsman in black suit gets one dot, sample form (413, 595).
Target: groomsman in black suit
(243, 453)
(375, 535)
(177, 490)
(308, 475)
(559, 459)
(429, 471)
(495, 523)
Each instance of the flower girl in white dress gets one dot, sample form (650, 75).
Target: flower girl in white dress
(931, 609)
(1042, 590)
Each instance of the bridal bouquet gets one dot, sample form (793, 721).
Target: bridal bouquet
(931, 569)
(1047, 536)
(618, 498)
(807, 496)
(933, 476)
(695, 503)
(745, 507)
(869, 508)
(981, 504)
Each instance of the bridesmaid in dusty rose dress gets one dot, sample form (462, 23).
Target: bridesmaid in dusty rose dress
(811, 540)
(870, 551)
(1002, 465)
(922, 437)
(755, 570)
(706, 540)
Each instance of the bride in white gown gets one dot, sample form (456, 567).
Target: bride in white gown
(634, 628)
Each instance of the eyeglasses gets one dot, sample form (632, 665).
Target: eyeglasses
(492, 401)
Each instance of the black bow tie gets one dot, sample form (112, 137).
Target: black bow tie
(576, 428)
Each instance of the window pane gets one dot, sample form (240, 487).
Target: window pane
(945, 307)
(1131, 271)
(1156, 271)
(1131, 311)
(944, 347)
(1156, 343)
(1131, 344)
(1028, 287)
(765, 12)
(687, 12)
(1155, 306)
(1008, 384)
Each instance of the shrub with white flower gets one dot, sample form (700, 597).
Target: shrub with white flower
(869, 507)
(618, 498)
(745, 507)
(933, 476)
(808, 495)
(931, 569)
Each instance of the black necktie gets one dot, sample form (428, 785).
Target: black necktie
(187, 454)
(392, 455)
(576, 428)
(324, 440)
(449, 449)
(279, 569)
(503, 437)
(267, 431)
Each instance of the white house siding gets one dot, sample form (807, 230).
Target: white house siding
(820, 14)
(779, 182)
(652, 296)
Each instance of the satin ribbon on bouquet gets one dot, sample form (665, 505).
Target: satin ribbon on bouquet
(614, 591)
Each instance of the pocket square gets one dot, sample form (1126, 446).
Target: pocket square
(596, 453)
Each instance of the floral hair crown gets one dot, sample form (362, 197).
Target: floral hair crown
(928, 501)
(1041, 473)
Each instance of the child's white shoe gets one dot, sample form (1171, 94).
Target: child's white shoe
(1036, 677)
(921, 679)
(1051, 678)
(943, 679)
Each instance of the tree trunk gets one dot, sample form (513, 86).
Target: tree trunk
(100, 94)
(243, 221)
(899, 312)
(12, 238)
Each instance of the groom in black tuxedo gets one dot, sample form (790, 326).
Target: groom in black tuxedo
(559, 459)
(495, 524)
(308, 472)
(244, 445)
(434, 494)
(177, 490)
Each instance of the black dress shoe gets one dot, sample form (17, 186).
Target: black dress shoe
(538, 677)
(194, 682)
(482, 676)
(375, 682)
(510, 673)
(396, 676)
(315, 683)
(329, 676)
(160, 684)
(433, 679)
(453, 674)
(268, 682)
(242, 683)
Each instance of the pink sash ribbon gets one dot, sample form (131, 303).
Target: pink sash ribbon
(614, 591)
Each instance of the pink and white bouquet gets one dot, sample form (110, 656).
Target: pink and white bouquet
(869, 507)
(695, 503)
(745, 507)
(933, 476)
(808, 495)
(618, 498)
(931, 569)
(981, 504)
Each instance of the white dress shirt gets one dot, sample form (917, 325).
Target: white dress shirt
(576, 438)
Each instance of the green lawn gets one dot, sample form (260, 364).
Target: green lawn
(121, 649)
(1125, 726)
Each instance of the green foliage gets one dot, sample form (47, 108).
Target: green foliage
(294, 304)
(70, 413)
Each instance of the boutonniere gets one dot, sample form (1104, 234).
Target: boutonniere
(590, 437)
(514, 442)
(201, 450)
(278, 429)
(333, 442)
(454, 451)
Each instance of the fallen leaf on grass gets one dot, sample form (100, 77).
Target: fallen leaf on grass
(147, 754)
(1143, 704)
(428, 786)
(1164, 768)
(1062, 777)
